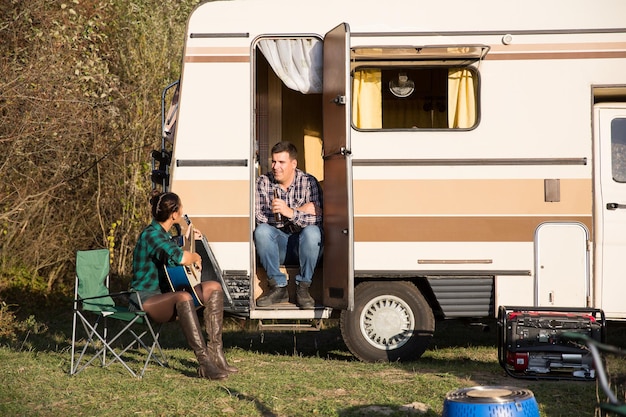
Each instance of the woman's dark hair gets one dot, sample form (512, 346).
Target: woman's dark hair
(163, 205)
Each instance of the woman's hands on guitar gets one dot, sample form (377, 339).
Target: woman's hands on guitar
(192, 258)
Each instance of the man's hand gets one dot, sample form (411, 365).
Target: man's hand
(280, 206)
(310, 208)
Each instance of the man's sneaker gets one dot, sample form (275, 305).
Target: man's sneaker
(274, 296)
(303, 298)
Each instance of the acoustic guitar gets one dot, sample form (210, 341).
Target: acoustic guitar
(186, 277)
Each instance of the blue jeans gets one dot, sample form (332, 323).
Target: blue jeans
(276, 248)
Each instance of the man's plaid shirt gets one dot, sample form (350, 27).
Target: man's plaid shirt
(304, 189)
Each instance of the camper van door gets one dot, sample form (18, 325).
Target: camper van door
(338, 221)
(610, 137)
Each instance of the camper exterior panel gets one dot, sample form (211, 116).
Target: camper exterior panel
(427, 258)
(229, 256)
(426, 17)
(213, 116)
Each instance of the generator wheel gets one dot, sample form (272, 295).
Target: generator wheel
(391, 321)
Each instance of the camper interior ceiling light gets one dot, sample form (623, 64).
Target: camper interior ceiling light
(402, 86)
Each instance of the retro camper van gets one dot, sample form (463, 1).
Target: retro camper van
(472, 156)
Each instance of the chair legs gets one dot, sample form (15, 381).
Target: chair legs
(96, 333)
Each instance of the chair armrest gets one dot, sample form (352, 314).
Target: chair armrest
(116, 294)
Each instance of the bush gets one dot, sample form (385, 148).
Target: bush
(11, 328)
(80, 85)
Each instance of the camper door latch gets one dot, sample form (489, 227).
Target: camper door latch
(615, 206)
(340, 100)
(343, 151)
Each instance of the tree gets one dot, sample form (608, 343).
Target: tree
(79, 115)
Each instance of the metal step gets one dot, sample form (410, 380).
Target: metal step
(311, 326)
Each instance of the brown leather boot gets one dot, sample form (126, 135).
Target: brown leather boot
(214, 322)
(190, 324)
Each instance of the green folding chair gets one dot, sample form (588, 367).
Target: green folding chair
(96, 311)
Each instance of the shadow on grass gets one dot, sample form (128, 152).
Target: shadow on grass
(260, 406)
(380, 410)
(56, 334)
(328, 342)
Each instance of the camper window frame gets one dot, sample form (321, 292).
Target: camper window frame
(419, 57)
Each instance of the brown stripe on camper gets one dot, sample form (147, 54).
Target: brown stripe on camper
(453, 229)
(216, 54)
(219, 209)
(223, 229)
(406, 229)
(472, 197)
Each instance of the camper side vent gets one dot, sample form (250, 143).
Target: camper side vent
(464, 296)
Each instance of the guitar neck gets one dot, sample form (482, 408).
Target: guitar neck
(192, 239)
(190, 235)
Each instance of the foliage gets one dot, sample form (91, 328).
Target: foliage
(80, 84)
(10, 326)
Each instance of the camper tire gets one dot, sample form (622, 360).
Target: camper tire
(391, 321)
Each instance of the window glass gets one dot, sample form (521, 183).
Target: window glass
(618, 149)
(419, 97)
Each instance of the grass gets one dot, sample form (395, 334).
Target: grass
(282, 374)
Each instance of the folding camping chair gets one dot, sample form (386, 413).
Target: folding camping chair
(95, 308)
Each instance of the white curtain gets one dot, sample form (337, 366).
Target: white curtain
(297, 62)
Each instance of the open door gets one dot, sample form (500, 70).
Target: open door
(610, 206)
(338, 221)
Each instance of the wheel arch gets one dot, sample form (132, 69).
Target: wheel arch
(420, 282)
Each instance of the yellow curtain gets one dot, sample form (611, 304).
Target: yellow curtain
(367, 99)
(461, 99)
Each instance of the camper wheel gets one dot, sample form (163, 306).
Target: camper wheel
(391, 321)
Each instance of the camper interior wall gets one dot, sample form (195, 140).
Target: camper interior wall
(285, 114)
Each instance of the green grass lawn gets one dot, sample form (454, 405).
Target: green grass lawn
(281, 374)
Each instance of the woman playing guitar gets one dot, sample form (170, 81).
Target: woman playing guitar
(154, 251)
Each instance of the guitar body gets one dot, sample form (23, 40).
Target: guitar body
(185, 277)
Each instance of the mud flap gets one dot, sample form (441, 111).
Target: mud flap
(531, 342)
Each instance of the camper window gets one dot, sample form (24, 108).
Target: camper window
(618, 149)
(418, 97)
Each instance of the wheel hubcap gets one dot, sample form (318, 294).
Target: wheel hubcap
(387, 322)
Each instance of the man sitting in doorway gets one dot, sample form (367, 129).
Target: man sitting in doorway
(288, 212)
